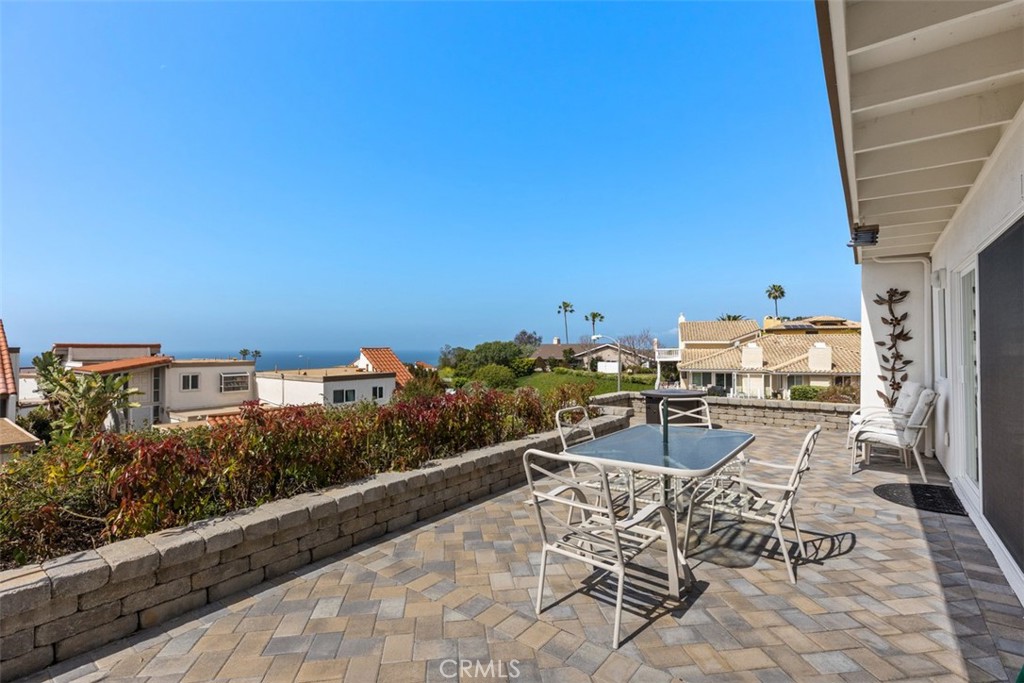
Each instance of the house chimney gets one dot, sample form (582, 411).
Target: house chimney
(819, 357)
(556, 341)
(770, 321)
(752, 357)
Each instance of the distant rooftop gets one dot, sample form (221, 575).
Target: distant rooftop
(126, 364)
(213, 361)
(341, 372)
(8, 379)
(94, 345)
(716, 330)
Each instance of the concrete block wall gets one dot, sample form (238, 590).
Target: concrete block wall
(751, 412)
(72, 604)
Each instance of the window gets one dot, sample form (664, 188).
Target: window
(234, 381)
(156, 415)
(344, 395)
(190, 382)
(794, 380)
(156, 387)
(700, 379)
(378, 392)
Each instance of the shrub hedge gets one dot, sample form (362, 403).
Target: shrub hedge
(803, 392)
(82, 494)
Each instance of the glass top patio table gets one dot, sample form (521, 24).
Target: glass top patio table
(688, 451)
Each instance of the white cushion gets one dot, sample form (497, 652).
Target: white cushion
(923, 404)
(909, 393)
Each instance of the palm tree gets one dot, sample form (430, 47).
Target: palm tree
(564, 309)
(244, 353)
(775, 292)
(256, 353)
(594, 318)
(732, 316)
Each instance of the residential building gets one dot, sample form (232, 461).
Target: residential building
(383, 359)
(77, 354)
(741, 358)
(9, 358)
(14, 439)
(325, 386)
(929, 129)
(196, 388)
(171, 390)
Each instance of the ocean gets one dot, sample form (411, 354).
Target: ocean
(293, 360)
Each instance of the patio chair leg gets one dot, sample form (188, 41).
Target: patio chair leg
(618, 608)
(785, 552)
(920, 465)
(672, 552)
(540, 586)
(686, 531)
(799, 540)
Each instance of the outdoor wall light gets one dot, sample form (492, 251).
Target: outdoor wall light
(864, 236)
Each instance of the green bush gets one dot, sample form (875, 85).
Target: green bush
(559, 370)
(496, 377)
(521, 366)
(839, 393)
(803, 392)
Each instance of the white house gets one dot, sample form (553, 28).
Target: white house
(383, 359)
(324, 386)
(926, 108)
(195, 388)
(78, 354)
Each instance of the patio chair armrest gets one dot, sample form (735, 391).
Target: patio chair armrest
(642, 515)
(760, 484)
(762, 463)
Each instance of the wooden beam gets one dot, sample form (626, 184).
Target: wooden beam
(974, 112)
(913, 230)
(918, 217)
(955, 67)
(971, 146)
(876, 21)
(942, 178)
(913, 202)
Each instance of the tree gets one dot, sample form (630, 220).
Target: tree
(732, 316)
(564, 309)
(450, 356)
(490, 353)
(82, 402)
(638, 345)
(527, 339)
(495, 377)
(244, 353)
(775, 292)
(256, 353)
(593, 318)
(425, 384)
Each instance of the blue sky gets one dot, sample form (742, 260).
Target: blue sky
(330, 175)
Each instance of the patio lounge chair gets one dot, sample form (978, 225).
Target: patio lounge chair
(579, 522)
(759, 501)
(905, 439)
(889, 418)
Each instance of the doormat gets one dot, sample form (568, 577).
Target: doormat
(927, 497)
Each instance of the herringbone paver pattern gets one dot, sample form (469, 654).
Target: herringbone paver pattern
(888, 593)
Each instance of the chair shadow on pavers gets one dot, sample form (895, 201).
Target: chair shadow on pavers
(735, 545)
(644, 601)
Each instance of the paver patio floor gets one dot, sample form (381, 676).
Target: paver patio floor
(889, 593)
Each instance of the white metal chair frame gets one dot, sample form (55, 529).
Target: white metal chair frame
(702, 413)
(892, 418)
(750, 499)
(906, 439)
(581, 427)
(598, 538)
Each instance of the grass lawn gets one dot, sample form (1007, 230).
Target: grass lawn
(544, 381)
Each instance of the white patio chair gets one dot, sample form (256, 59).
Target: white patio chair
(894, 418)
(760, 501)
(905, 439)
(574, 425)
(579, 522)
(698, 414)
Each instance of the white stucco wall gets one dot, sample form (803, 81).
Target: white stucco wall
(363, 386)
(209, 394)
(77, 354)
(877, 278)
(289, 392)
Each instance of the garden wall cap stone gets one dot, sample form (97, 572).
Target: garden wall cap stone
(318, 505)
(345, 497)
(254, 522)
(289, 514)
(218, 533)
(370, 490)
(23, 588)
(129, 558)
(177, 545)
(77, 573)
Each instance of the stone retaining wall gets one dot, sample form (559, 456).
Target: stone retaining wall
(78, 602)
(752, 412)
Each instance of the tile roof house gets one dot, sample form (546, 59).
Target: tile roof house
(383, 359)
(8, 377)
(15, 439)
(325, 386)
(705, 333)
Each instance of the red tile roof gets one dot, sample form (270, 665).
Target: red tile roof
(126, 364)
(8, 380)
(383, 359)
(425, 365)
